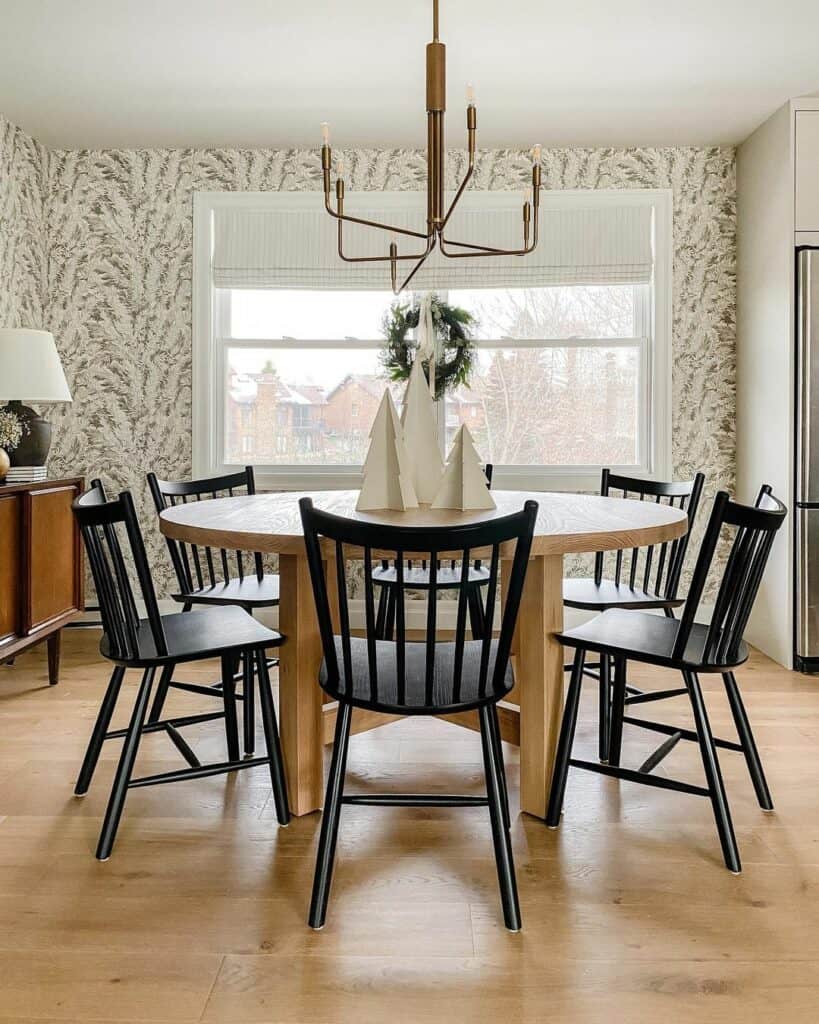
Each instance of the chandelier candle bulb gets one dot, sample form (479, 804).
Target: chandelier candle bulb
(537, 153)
(325, 133)
(470, 94)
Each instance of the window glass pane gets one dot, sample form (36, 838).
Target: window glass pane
(301, 407)
(307, 315)
(581, 311)
(552, 406)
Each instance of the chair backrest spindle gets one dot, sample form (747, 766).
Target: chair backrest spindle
(197, 570)
(755, 529)
(434, 661)
(98, 520)
(662, 576)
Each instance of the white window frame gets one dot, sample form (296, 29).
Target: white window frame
(653, 327)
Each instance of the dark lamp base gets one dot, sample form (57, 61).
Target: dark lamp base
(36, 442)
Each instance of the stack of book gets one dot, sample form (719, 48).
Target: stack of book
(26, 475)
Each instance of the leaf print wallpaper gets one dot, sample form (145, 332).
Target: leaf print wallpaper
(22, 228)
(102, 252)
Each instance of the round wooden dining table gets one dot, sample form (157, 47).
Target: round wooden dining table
(530, 717)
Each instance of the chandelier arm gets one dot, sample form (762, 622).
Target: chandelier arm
(488, 249)
(415, 269)
(371, 223)
(392, 258)
(485, 250)
(460, 192)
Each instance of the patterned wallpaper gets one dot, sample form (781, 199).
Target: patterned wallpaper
(117, 285)
(22, 228)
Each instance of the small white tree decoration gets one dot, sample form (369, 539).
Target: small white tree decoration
(387, 474)
(421, 435)
(463, 485)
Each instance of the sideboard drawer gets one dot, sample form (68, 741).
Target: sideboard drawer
(52, 546)
(11, 537)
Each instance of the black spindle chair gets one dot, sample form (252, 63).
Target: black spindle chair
(215, 577)
(159, 641)
(416, 577)
(690, 648)
(638, 579)
(416, 678)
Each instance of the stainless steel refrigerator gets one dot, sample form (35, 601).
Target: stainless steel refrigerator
(806, 618)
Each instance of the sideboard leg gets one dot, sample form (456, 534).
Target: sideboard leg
(54, 644)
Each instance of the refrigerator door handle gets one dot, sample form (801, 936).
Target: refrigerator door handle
(807, 463)
(807, 582)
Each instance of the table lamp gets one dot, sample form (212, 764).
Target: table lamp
(31, 371)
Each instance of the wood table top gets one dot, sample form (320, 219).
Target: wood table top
(566, 523)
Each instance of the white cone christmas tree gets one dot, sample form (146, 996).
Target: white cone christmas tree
(387, 474)
(421, 435)
(463, 485)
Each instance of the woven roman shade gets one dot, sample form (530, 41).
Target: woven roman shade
(287, 240)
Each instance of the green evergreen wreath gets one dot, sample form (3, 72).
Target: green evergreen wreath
(456, 350)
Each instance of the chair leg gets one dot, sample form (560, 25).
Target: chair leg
(330, 818)
(92, 754)
(497, 749)
(566, 741)
(713, 775)
(746, 738)
(161, 693)
(500, 832)
(249, 703)
(229, 699)
(604, 716)
(618, 709)
(119, 790)
(381, 614)
(271, 737)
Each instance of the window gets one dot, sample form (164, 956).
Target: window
(560, 377)
(568, 377)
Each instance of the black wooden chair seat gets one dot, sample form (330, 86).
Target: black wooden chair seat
(163, 642)
(591, 595)
(216, 577)
(425, 677)
(640, 636)
(209, 633)
(620, 635)
(639, 579)
(417, 697)
(416, 577)
(249, 592)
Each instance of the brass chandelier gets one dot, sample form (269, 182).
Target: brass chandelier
(437, 216)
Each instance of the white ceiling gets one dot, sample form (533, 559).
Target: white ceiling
(113, 73)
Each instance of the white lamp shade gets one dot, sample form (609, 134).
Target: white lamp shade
(30, 368)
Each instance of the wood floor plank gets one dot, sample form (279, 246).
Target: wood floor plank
(116, 986)
(628, 912)
(366, 990)
(164, 924)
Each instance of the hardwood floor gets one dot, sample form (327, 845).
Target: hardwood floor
(200, 915)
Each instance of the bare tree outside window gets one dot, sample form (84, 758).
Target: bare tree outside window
(557, 380)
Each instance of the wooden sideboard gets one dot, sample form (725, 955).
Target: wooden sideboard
(41, 570)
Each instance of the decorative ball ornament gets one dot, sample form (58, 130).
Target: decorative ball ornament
(447, 359)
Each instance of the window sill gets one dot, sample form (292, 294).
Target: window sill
(510, 478)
